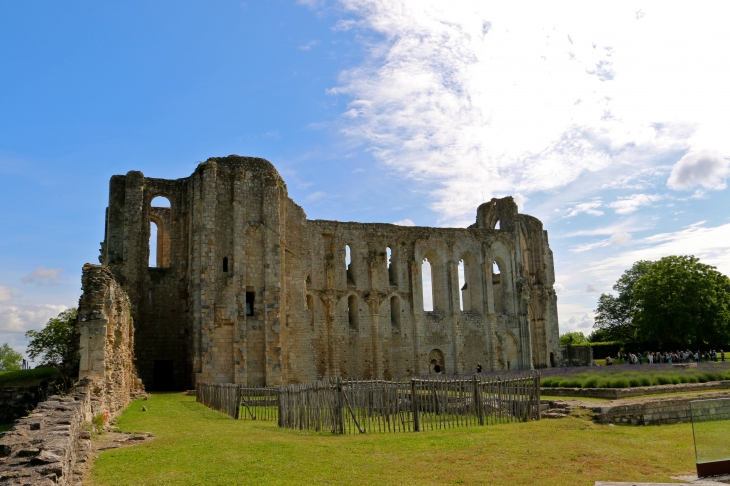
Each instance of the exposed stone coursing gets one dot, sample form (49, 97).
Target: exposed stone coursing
(106, 341)
(49, 446)
(232, 238)
(17, 401)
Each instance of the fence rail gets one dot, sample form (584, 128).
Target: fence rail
(346, 407)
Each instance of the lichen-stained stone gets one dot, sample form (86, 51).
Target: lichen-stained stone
(245, 289)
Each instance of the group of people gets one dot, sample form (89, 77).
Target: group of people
(668, 357)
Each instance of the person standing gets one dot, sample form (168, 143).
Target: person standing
(479, 367)
(722, 355)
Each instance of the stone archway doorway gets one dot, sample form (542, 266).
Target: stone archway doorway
(436, 361)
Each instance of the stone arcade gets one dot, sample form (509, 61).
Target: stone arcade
(247, 290)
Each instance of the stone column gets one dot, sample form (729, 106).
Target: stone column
(240, 225)
(207, 261)
(417, 311)
(135, 256)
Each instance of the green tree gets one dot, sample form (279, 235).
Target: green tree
(53, 344)
(571, 338)
(614, 315)
(9, 358)
(681, 302)
(598, 336)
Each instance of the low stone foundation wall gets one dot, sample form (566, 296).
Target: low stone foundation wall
(653, 411)
(16, 402)
(50, 446)
(618, 393)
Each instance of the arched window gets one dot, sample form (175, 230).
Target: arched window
(427, 285)
(160, 223)
(464, 301)
(392, 276)
(225, 264)
(349, 271)
(353, 317)
(154, 232)
(497, 288)
(160, 202)
(395, 313)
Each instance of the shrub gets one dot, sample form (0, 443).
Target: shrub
(683, 379)
(646, 381)
(570, 383)
(663, 380)
(591, 383)
(634, 382)
(619, 383)
(692, 379)
(550, 382)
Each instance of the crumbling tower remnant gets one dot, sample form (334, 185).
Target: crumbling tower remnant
(245, 289)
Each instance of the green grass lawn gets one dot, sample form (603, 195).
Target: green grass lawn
(26, 377)
(196, 445)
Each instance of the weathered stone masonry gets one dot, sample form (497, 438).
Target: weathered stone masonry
(247, 290)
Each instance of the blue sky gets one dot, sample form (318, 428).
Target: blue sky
(609, 123)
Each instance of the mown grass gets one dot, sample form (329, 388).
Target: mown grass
(634, 376)
(195, 445)
(26, 377)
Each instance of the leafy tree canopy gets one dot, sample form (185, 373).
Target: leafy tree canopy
(598, 336)
(571, 338)
(671, 303)
(53, 344)
(10, 359)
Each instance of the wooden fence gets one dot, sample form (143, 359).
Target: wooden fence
(346, 407)
(240, 401)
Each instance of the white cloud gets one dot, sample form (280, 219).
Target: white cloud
(629, 204)
(305, 47)
(592, 289)
(477, 96)
(21, 318)
(43, 276)
(706, 168)
(405, 222)
(620, 239)
(587, 207)
(6, 294)
(316, 196)
(707, 243)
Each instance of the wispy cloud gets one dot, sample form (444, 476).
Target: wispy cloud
(316, 196)
(707, 243)
(587, 207)
(483, 98)
(43, 276)
(6, 294)
(629, 204)
(308, 46)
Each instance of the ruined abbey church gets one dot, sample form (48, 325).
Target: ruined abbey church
(247, 290)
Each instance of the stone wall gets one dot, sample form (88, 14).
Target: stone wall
(654, 411)
(617, 393)
(106, 341)
(50, 446)
(246, 289)
(17, 401)
(577, 355)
